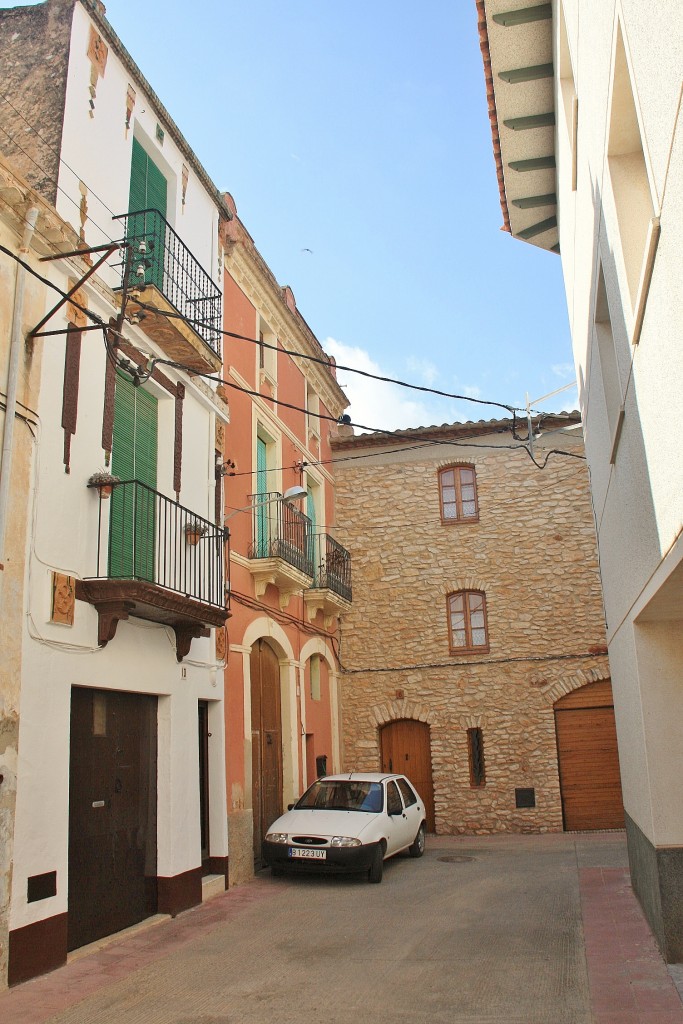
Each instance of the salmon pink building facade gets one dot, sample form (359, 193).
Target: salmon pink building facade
(290, 580)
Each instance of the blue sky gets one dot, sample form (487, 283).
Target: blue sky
(359, 130)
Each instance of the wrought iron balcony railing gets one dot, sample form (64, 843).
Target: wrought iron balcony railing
(281, 531)
(148, 537)
(332, 566)
(160, 258)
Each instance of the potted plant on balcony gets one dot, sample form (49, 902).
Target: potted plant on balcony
(194, 531)
(104, 481)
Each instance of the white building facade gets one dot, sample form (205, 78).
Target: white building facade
(120, 774)
(585, 107)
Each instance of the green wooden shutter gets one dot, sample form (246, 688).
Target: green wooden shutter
(146, 473)
(148, 191)
(261, 524)
(134, 457)
(312, 538)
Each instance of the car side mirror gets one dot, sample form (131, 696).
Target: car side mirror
(289, 806)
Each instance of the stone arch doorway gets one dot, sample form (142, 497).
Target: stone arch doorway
(588, 760)
(405, 747)
(266, 740)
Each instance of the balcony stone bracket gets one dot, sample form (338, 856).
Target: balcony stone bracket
(278, 572)
(322, 599)
(115, 600)
(176, 337)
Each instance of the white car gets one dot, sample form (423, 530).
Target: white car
(350, 822)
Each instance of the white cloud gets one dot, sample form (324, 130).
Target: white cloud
(378, 405)
(425, 370)
(564, 370)
(472, 392)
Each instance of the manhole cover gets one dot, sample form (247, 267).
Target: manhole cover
(453, 859)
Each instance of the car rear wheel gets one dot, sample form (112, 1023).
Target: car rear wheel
(418, 846)
(377, 865)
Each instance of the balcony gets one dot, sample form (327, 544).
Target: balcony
(281, 552)
(331, 590)
(186, 316)
(156, 560)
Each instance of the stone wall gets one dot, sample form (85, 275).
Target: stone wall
(34, 56)
(533, 553)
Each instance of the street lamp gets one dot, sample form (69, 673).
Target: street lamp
(291, 494)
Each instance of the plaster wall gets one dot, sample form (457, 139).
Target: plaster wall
(252, 301)
(141, 658)
(14, 553)
(93, 131)
(637, 496)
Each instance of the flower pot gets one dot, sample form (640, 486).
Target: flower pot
(105, 490)
(193, 538)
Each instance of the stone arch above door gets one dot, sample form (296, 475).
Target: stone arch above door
(552, 692)
(265, 628)
(393, 710)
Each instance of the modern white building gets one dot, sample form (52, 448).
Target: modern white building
(119, 599)
(585, 102)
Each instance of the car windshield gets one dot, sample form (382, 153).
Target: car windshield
(342, 795)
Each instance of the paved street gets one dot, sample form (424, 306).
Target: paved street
(514, 929)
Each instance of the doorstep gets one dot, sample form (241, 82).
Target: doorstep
(126, 933)
(212, 885)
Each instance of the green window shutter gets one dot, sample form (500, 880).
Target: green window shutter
(148, 191)
(137, 199)
(261, 466)
(312, 538)
(134, 457)
(261, 523)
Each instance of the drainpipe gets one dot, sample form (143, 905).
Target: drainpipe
(13, 377)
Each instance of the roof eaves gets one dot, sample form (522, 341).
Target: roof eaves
(493, 114)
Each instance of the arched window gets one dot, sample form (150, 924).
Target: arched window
(467, 625)
(458, 494)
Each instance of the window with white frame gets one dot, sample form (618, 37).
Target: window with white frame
(609, 366)
(312, 414)
(266, 354)
(638, 225)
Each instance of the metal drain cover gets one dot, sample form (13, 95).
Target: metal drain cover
(454, 859)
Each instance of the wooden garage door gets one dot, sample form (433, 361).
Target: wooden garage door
(588, 761)
(406, 749)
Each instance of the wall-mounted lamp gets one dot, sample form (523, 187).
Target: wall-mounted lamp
(291, 494)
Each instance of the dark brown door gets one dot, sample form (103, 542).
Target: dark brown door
(588, 761)
(112, 812)
(266, 740)
(406, 749)
(203, 724)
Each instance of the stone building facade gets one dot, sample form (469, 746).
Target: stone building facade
(526, 542)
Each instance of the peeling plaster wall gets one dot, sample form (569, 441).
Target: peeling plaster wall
(34, 57)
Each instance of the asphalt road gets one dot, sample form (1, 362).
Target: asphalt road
(478, 931)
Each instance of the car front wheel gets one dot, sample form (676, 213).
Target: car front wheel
(418, 846)
(377, 865)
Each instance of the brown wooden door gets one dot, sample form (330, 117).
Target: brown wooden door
(203, 737)
(588, 760)
(112, 812)
(266, 741)
(406, 748)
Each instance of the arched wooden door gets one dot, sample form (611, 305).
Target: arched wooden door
(588, 761)
(406, 748)
(266, 740)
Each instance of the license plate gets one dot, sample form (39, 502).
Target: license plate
(308, 854)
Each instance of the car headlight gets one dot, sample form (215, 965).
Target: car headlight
(276, 837)
(344, 841)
